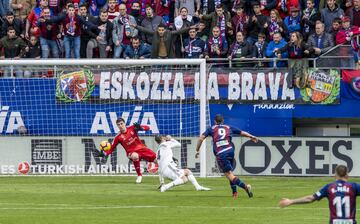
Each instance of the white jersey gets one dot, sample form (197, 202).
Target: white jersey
(164, 154)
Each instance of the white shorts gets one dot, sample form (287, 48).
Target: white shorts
(172, 172)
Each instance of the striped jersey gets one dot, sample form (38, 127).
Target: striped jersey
(221, 136)
(342, 200)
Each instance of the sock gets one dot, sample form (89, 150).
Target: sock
(194, 181)
(137, 167)
(233, 187)
(176, 182)
(238, 182)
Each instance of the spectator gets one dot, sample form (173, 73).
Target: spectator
(137, 49)
(4, 7)
(113, 10)
(49, 33)
(354, 13)
(150, 22)
(86, 32)
(277, 43)
(309, 18)
(329, 13)
(319, 42)
(136, 12)
(16, 23)
(31, 27)
(202, 32)
(102, 39)
(335, 28)
(241, 49)
(12, 48)
(345, 35)
(256, 24)
(275, 25)
(22, 8)
(267, 5)
(56, 6)
(72, 30)
(32, 51)
(193, 47)
(293, 22)
(122, 31)
(284, 7)
(209, 6)
(94, 6)
(296, 49)
(162, 40)
(240, 19)
(182, 21)
(221, 19)
(217, 46)
(162, 9)
(260, 46)
(189, 5)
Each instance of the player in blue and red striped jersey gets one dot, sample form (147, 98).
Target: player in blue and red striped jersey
(130, 141)
(223, 149)
(341, 195)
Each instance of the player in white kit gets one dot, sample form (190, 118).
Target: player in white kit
(168, 168)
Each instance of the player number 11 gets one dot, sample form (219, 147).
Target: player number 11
(338, 202)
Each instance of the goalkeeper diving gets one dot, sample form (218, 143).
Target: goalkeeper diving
(169, 169)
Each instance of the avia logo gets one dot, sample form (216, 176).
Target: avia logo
(10, 121)
(104, 123)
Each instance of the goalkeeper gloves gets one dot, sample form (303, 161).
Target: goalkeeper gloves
(137, 126)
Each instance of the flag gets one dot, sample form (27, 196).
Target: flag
(351, 84)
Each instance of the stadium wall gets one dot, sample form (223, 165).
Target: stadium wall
(271, 156)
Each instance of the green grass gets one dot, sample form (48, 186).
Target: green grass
(105, 200)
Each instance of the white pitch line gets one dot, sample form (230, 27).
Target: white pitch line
(72, 207)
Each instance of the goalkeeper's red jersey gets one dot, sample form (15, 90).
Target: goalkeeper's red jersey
(129, 140)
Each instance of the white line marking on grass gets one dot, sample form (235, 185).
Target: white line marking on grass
(72, 207)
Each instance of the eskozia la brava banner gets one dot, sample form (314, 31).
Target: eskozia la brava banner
(223, 86)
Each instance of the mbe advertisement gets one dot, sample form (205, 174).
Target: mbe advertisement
(87, 103)
(270, 156)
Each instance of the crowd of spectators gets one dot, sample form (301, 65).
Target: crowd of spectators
(175, 28)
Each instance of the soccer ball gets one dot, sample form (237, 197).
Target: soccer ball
(152, 167)
(105, 146)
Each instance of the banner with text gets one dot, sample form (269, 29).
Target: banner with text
(270, 156)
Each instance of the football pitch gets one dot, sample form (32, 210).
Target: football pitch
(117, 199)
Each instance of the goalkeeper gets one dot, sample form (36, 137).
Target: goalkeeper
(168, 168)
(130, 141)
